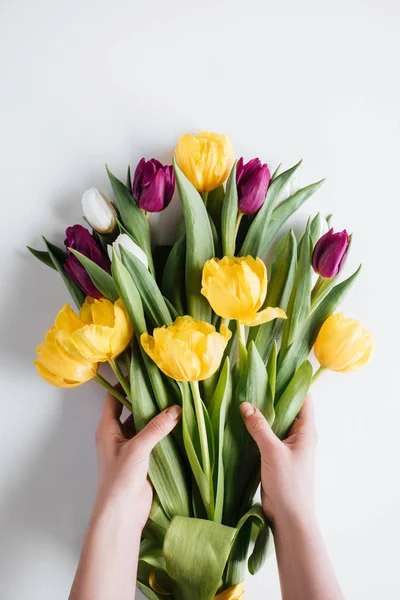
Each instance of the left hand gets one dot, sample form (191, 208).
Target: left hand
(123, 458)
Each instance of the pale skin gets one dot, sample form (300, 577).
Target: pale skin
(108, 562)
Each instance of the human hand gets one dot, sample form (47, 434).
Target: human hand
(287, 467)
(123, 458)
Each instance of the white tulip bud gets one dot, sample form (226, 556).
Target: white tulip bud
(127, 242)
(99, 211)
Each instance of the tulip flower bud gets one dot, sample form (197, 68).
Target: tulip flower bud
(252, 181)
(81, 240)
(127, 242)
(99, 211)
(329, 253)
(153, 185)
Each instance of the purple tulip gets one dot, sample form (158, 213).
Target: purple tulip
(252, 181)
(153, 185)
(81, 240)
(329, 253)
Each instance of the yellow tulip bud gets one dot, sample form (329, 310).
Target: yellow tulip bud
(59, 368)
(205, 158)
(187, 350)
(102, 331)
(343, 345)
(236, 289)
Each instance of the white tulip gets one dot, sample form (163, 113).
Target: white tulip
(127, 242)
(99, 211)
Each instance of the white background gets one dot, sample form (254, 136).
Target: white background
(89, 82)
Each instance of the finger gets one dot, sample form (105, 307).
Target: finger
(258, 427)
(158, 428)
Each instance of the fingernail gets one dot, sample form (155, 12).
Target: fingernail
(247, 409)
(174, 412)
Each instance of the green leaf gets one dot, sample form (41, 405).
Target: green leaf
(173, 280)
(58, 255)
(153, 301)
(215, 200)
(157, 523)
(166, 469)
(229, 215)
(254, 243)
(279, 289)
(43, 256)
(300, 298)
(236, 569)
(100, 278)
(276, 172)
(133, 304)
(271, 372)
(195, 553)
(199, 245)
(151, 552)
(302, 346)
(129, 179)
(217, 410)
(239, 446)
(133, 219)
(291, 401)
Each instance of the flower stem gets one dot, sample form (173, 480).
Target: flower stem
(318, 373)
(242, 345)
(107, 385)
(204, 195)
(205, 454)
(238, 221)
(120, 376)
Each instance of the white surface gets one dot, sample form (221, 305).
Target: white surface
(88, 82)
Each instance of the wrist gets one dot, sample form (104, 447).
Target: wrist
(292, 518)
(116, 511)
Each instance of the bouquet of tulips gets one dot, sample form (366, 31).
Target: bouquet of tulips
(201, 324)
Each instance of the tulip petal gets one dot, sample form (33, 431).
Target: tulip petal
(67, 319)
(264, 316)
(54, 379)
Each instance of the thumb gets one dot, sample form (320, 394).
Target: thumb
(258, 427)
(158, 428)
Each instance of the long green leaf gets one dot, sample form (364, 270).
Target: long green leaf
(153, 301)
(236, 570)
(57, 255)
(199, 245)
(254, 242)
(229, 215)
(157, 523)
(166, 469)
(43, 256)
(215, 201)
(239, 446)
(173, 280)
(195, 553)
(271, 372)
(133, 218)
(100, 278)
(300, 298)
(292, 399)
(217, 410)
(279, 290)
(303, 344)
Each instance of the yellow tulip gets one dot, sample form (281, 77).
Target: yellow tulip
(100, 333)
(343, 345)
(205, 158)
(236, 289)
(59, 368)
(187, 350)
(236, 592)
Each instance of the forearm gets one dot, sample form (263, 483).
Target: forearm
(305, 570)
(108, 563)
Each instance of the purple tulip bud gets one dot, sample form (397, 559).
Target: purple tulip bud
(81, 240)
(153, 185)
(252, 182)
(329, 253)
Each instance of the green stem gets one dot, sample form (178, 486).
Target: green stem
(318, 373)
(317, 291)
(120, 376)
(107, 385)
(205, 454)
(204, 195)
(238, 221)
(242, 345)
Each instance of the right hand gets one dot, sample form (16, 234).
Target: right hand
(287, 467)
